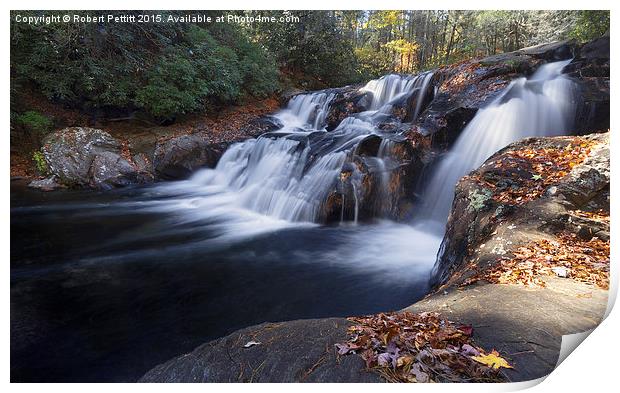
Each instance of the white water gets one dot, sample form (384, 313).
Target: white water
(286, 175)
(281, 179)
(542, 105)
(390, 88)
(306, 111)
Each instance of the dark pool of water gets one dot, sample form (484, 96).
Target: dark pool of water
(92, 300)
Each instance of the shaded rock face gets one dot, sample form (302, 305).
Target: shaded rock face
(590, 69)
(179, 157)
(88, 157)
(261, 125)
(499, 206)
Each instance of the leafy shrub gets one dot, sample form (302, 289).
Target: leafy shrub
(166, 69)
(40, 163)
(35, 122)
(173, 87)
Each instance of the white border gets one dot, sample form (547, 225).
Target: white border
(593, 366)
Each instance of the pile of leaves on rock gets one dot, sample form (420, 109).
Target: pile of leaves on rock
(543, 167)
(568, 257)
(424, 347)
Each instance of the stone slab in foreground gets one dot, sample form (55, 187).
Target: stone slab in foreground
(296, 351)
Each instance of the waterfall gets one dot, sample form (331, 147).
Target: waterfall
(541, 105)
(392, 87)
(307, 110)
(384, 165)
(287, 175)
(356, 210)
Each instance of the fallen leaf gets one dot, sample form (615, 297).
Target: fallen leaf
(420, 376)
(492, 360)
(467, 330)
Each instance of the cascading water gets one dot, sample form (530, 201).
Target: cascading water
(541, 105)
(392, 87)
(307, 110)
(286, 175)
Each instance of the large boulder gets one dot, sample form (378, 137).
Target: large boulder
(537, 188)
(179, 157)
(88, 157)
(347, 101)
(295, 351)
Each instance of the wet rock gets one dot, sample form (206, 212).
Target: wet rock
(380, 181)
(552, 51)
(348, 101)
(261, 125)
(88, 157)
(179, 157)
(286, 96)
(404, 109)
(464, 88)
(49, 184)
(482, 227)
(369, 146)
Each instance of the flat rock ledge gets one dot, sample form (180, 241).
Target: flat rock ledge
(295, 351)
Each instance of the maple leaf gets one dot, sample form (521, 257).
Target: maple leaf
(492, 360)
(536, 177)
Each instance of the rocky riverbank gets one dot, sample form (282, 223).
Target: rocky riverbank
(135, 152)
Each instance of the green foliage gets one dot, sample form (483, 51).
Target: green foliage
(34, 122)
(316, 46)
(591, 24)
(172, 87)
(164, 68)
(40, 163)
(372, 63)
(169, 69)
